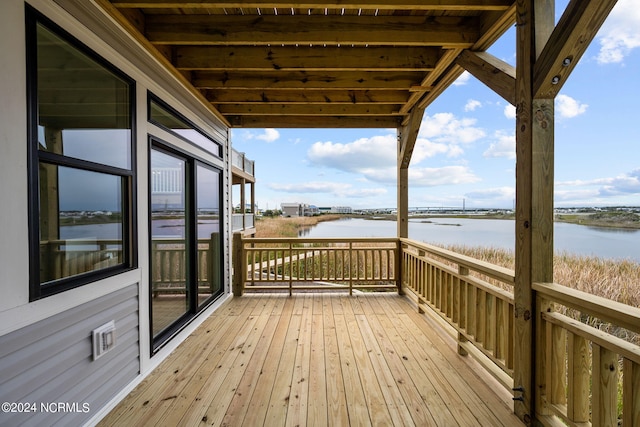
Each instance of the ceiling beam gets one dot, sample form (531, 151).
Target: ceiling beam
(570, 39)
(309, 96)
(299, 80)
(288, 58)
(494, 73)
(328, 122)
(271, 109)
(447, 32)
(457, 5)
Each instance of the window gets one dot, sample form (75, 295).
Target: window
(80, 162)
(164, 116)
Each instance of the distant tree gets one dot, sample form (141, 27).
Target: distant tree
(272, 213)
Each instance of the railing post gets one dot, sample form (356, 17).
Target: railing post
(213, 261)
(290, 267)
(239, 265)
(399, 271)
(462, 271)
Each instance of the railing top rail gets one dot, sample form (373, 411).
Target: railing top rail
(503, 274)
(605, 309)
(619, 345)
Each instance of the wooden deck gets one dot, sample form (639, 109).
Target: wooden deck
(317, 359)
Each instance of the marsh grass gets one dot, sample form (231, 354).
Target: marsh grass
(288, 227)
(617, 280)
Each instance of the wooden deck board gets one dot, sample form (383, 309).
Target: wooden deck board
(315, 359)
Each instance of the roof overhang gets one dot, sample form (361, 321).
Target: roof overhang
(315, 64)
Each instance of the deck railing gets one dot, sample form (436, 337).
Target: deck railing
(241, 221)
(169, 273)
(64, 258)
(457, 289)
(588, 371)
(241, 162)
(585, 375)
(271, 264)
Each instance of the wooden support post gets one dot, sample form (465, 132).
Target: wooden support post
(239, 265)
(534, 205)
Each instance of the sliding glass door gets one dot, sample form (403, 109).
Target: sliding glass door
(185, 247)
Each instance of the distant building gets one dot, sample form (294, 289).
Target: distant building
(341, 210)
(298, 209)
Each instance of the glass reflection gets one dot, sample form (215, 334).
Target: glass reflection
(208, 205)
(177, 125)
(170, 293)
(81, 221)
(83, 108)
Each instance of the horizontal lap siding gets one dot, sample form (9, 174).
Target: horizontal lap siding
(51, 361)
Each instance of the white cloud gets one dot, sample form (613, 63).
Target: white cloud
(568, 107)
(463, 79)
(500, 193)
(619, 34)
(375, 158)
(375, 152)
(504, 146)
(621, 185)
(445, 128)
(269, 135)
(448, 175)
(510, 111)
(472, 105)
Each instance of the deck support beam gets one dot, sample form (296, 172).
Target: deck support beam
(407, 136)
(534, 204)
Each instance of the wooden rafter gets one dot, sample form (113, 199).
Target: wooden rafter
(369, 80)
(272, 109)
(309, 58)
(309, 96)
(316, 29)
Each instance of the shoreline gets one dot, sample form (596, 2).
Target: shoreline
(611, 221)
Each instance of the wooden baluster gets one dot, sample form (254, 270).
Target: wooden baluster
(471, 310)
(490, 319)
(480, 316)
(604, 384)
(556, 366)
(462, 308)
(631, 393)
(578, 379)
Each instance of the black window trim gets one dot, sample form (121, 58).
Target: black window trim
(192, 161)
(38, 290)
(151, 97)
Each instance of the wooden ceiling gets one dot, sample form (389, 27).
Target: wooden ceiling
(315, 63)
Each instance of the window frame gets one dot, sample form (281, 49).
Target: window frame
(192, 161)
(155, 99)
(35, 157)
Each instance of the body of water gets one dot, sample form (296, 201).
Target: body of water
(570, 238)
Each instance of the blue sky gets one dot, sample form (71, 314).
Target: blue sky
(466, 145)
